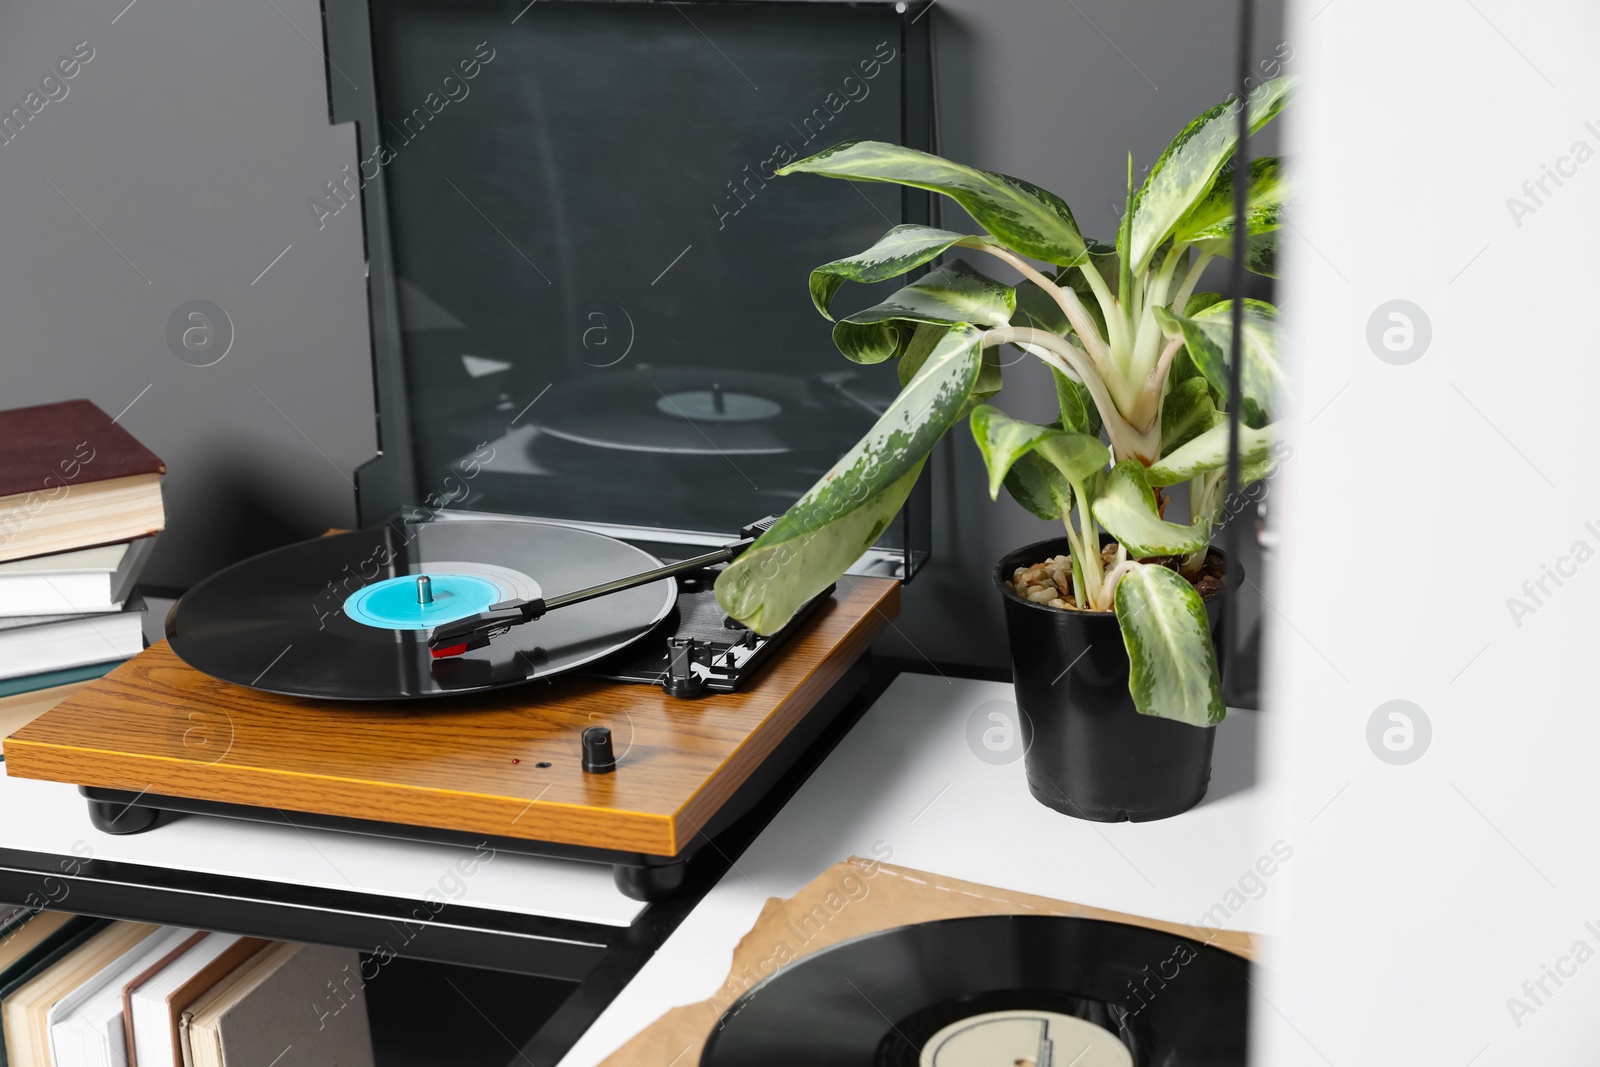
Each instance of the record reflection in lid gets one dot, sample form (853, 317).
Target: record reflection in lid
(709, 412)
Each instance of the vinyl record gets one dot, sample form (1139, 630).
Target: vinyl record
(995, 990)
(344, 617)
(687, 411)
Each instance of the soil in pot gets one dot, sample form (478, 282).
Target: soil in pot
(1049, 582)
(1090, 754)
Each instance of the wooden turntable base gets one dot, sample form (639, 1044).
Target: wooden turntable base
(502, 766)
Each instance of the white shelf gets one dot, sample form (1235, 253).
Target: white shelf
(52, 817)
(904, 787)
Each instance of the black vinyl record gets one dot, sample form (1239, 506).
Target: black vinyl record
(343, 617)
(999, 989)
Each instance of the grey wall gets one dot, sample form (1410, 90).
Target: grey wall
(184, 153)
(190, 144)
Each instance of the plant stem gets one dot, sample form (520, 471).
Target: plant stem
(1147, 341)
(1148, 406)
(1127, 441)
(1186, 290)
(1108, 303)
(1089, 535)
(1065, 298)
(1125, 243)
(1203, 503)
(1080, 585)
(1111, 580)
(1079, 590)
(1163, 279)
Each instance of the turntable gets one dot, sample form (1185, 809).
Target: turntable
(533, 686)
(578, 713)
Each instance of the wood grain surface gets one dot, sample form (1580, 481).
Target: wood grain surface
(19, 709)
(474, 764)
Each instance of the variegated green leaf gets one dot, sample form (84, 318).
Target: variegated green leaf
(956, 292)
(924, 339)
(1212, 217)
(1208, 335)
(1023, 216)
(1183, 367)
(1127, 509)
(1039, 310)
(1077, 456)
(840, 517)
(1209, 451)
(1172, 666)
(1106, 261)
(1256, 467)
(1187, 412)
(1189, 167)
(989, 379)
(902, 249)
(1034, 482)
(1261, 254)
(953, 293)
(1078, 412)
(1260, 251)
(1003, 440)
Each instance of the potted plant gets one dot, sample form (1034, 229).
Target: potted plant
(1111, 622)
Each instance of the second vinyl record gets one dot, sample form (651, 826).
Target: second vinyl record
(995, 991)
(344, 617)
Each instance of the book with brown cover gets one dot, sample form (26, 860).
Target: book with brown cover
(185, 995)
(140, 979)
(70, 478)
(65, 443)
(260, 1015)
(192, 990)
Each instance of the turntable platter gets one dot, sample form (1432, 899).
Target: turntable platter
(346, 618)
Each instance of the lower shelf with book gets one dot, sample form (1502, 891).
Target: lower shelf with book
(509, 964)
(77, 991)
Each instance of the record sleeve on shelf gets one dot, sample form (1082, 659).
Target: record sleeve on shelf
(1107, 953)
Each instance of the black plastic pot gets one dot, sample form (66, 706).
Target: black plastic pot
(1089, 753)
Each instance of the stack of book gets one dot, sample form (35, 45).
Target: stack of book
(80, 505)
(82, 992)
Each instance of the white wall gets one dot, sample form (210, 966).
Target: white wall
(1420, 498)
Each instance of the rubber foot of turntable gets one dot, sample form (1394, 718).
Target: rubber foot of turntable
(650, 884)
(116, 817)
